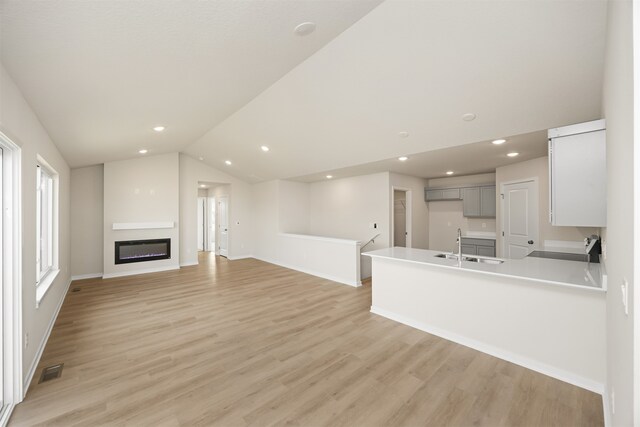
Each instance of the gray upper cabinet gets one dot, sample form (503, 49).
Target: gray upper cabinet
(479, 201)
(471, 201)
(441, 194)
(488, 201)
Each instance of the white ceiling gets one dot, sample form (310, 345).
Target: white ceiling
(101, 74)
(469, 159)
(225, 77)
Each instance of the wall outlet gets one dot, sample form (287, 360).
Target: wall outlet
(624, 288)
(484, 225)
(26, 340)
(448, 223)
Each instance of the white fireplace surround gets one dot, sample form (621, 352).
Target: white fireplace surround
(142, 225)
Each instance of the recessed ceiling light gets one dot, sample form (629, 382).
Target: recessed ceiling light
(264, 148)
(449, 172)
(512, 154)
(203, 186)
(329, 176)
(305, 29)
(403, 134)
(201, 158)
(143, 151)
(468, 117)
(227, 162)
(403, 158)
(158, 128)
(498, 141)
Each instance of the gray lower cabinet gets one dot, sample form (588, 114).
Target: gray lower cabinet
(479, 201)
(480, 247)
(469, 249)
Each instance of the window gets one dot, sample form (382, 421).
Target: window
(46, 228)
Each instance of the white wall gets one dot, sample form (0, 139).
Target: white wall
(618, 111)
(538, 168)
(419, 208)
(240, 193)
(22, 126)
(143, 189)
(87, 217)
(445, 217)
(265, 220)
(345, 208)
(294, 205)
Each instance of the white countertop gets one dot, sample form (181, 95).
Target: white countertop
(559, 272)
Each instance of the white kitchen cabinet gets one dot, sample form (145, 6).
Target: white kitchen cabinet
(578, 175)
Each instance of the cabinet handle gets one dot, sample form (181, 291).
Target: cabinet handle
(530, 242)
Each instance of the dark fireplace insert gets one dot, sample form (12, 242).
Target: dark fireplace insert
(142, 250)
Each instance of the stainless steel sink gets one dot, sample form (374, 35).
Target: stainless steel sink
(481, 260)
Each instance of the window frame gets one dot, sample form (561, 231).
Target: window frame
(46, 197)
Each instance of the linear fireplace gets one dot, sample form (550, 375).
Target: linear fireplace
(142, 250)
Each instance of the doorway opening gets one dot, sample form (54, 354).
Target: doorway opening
(519, 217)
(401, 217)
(10, 278)
(212, 218)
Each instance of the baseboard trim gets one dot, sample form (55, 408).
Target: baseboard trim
(355, 284)
(605, 407)
(86, 276)
(6, 414)
(236, 258)
(534, 365)
(136, 272)
(34, 365)
(188, 264)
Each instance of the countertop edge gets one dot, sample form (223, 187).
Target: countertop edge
(491, 273)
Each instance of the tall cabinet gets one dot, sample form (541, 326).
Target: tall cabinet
(578, 175)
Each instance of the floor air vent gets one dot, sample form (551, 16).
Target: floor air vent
(51, 373)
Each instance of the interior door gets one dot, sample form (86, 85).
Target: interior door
(212, 224)
(520, 218)
(223, 226)
(201, 229)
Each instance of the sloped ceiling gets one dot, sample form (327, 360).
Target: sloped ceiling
(101, 74)
(418, 66)
(226, 77)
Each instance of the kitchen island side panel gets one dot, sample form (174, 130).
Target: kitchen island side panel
(555, 330)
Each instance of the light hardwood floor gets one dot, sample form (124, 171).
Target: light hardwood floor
(248, 343)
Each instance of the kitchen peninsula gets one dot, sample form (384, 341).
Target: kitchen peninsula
(547, 315)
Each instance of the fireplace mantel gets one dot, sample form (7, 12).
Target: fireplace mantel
(142, 225)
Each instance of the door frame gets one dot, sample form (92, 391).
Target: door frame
(211, 201)
(11, 221)
(218, 233)
(408, 214)
(204, 222)
(503, 246)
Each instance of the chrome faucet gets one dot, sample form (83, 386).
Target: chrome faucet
(459, 240)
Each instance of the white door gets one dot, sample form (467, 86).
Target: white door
(520, 218)
(211, 226)
(201, 228)
(223, 226)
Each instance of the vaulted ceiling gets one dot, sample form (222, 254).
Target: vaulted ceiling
(226, 77)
